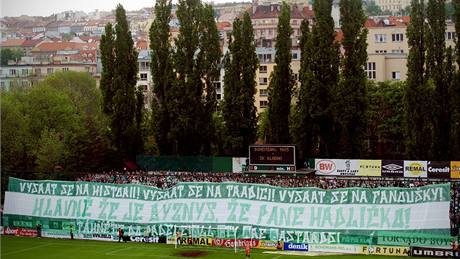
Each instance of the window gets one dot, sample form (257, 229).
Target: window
(450, 35)
(396, 75)
(264, 58)
(65, 69)
(12, 72)
(145, 65)
(270, 32)
(263, 81)
(143, 76)
(143, 87)
(1, 71)
(38, 71)
(263, 69)
(380, 51)
(219, 96)
(2, 84)
(397, 37)
(296, 76)
(263, 104)
(397, 51)
(217, 85)
(49, 70)
(295, 55)
(25, 72)
(380, 37)
(263, 92)
(370, 70)
(87, 69)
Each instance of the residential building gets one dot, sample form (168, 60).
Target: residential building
(144, 80)
(388, 49)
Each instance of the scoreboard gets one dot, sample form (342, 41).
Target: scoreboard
(272, 158)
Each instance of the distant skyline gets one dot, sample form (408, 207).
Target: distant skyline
(48, 7)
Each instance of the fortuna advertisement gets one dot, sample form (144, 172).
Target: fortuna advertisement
(386, 250)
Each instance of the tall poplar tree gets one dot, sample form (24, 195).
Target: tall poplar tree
(436, 70)
(119, 87)
(302, 134)
(195, 62)
(454, 90)
(281, 82)
(325, 68)
(209, 59)
(419, 137)
(239, 111)
(351, 92)
(162, 75)
(108, 60)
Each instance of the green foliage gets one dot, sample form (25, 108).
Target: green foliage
(454, 89)
(239, 112)
(301, 121)
(386, 122)
(351, 98)
(162, 75)
(318, 85)
(57, 123)
(118, 85)
(372, 9)
(196, 65)
(10, 54)
(281, 82)
(417, 97)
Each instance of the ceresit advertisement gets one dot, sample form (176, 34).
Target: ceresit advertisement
(415, 168)
(370, 168)
(455, 169)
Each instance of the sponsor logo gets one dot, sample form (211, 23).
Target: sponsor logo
(455, 169)
(432, 252)
(204, 241)
(144, 239)
(325, 166)
(438, 169)
(386, 250)
(231, 242)
(20, 232)
(415, 169)
(392, 167)
(295, 246)
(267, 244)
(335, 248)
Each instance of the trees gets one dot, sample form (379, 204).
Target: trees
(57, 123)
(162, 75)
(454, 90)
(10, 54)
(351, 95)
(324, 66)
(239, 111)
(301, 132)
(385, 119)
(281, 82)
(195, 62)
(119, 87)
(419, 127)
(436, 70)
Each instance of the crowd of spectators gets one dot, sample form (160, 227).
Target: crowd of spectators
(166, 179)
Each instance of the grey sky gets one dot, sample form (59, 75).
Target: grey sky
(48, 7)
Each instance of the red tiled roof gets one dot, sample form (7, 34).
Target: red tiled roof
(307, 12)
(223, 25)
(142, 44)
(388, 21)
(339, 36)
(30, 43)
(55, 46)
(10, 43)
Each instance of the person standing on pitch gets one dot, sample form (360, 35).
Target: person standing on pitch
(120, 234)
(71, 232)
(247, 249)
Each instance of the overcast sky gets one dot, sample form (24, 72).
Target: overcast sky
(48, 7)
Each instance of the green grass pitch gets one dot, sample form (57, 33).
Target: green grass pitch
(34, 248)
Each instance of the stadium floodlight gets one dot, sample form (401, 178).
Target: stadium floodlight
(179, 232)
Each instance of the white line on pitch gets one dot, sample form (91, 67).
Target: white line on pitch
(26, 249)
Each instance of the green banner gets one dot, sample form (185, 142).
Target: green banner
(308, 215)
